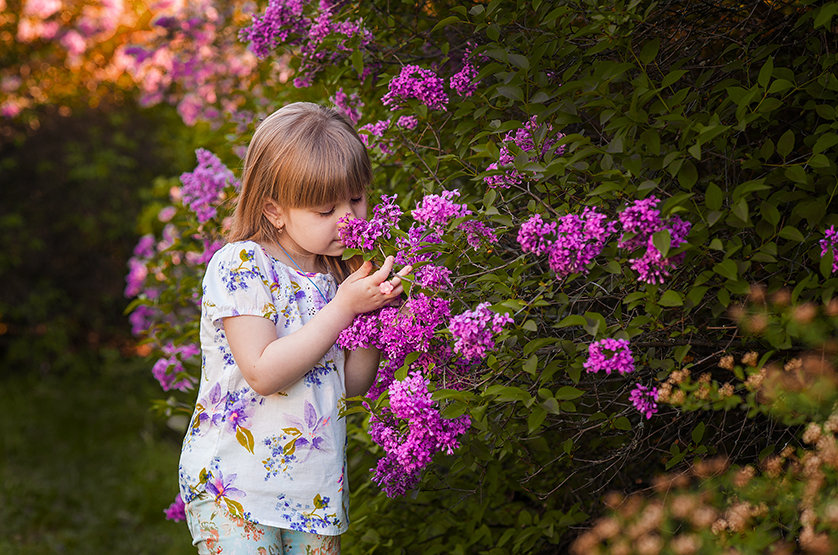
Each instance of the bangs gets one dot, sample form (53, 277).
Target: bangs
(325, 165)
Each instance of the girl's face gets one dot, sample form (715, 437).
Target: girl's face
(313, 231)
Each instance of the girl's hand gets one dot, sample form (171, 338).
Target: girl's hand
(362, 292)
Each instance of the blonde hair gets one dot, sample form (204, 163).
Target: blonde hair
(301, 156)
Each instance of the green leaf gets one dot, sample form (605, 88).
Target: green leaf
(512, 92)
(445, 22)
(792, 234)
(530, 365)
(727, 269)
(765, 73)
(671, 298)
(567, 393)
(824, 142)
(649, 51)
(357, 58)
(698, 433)
(622, 423)
(519, 61)
(572, 320)
(662, 241)
(713, 197)
(826, 263)
(825, 14)
(507, 393)
(536, 418)
(785, 144)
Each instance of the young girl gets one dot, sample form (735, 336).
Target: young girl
(263, 465)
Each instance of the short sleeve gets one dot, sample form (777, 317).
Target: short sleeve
(238, 282)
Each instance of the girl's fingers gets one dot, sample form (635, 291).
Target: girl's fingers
(382, 273)
(362, 271)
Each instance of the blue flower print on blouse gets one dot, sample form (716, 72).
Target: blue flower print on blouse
(297, 442)
(237, 278)
(233, 409)
(315, 375)
(308, 518)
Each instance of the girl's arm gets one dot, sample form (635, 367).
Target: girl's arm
(271, 364)
(360, 368)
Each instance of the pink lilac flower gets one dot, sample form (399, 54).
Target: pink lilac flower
(536, 236)
(201, 187)
(377, 129)
(349, 105)
(579, 239)
(408, 122)
(524, 139)
(830, 239)
(176, 511)
(610, 355)
(418, 239)
(645, 399)
(137, 273)
(477, 233)
(433, 277)
(415, 82)
(358, 233)
(141, 319)
(640, 221)
(398, 332)
(282, 18)
(474, 331)
(408, 452)
(465, 80)
(437, 210)
(167, 368)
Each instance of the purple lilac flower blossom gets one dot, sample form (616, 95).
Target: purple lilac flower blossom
(640, 221)
(465, 80)
(418, 237)
(358, 233)
(535, 235)
(431, 276)
(579, 239)
(348, 105)
(477, 233)
(524, 139)
(437, 210)
(645, 399)
(167, 368)
(202, 186)
(376, 129)
(830, 239)
(415, 82)
(177, 510)
(408, 122)
(281, 19)
(407, 453)
(610, 355)
(474, 331)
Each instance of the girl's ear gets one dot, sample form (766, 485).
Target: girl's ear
(273, 212)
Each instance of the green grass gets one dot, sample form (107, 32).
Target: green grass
(85, 467)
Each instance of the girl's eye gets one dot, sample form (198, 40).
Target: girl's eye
(328, 212)
(357, 200)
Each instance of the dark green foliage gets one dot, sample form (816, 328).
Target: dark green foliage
(72, 191)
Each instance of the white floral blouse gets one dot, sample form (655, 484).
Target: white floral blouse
(278, 460)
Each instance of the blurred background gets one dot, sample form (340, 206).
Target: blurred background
(85, 466)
